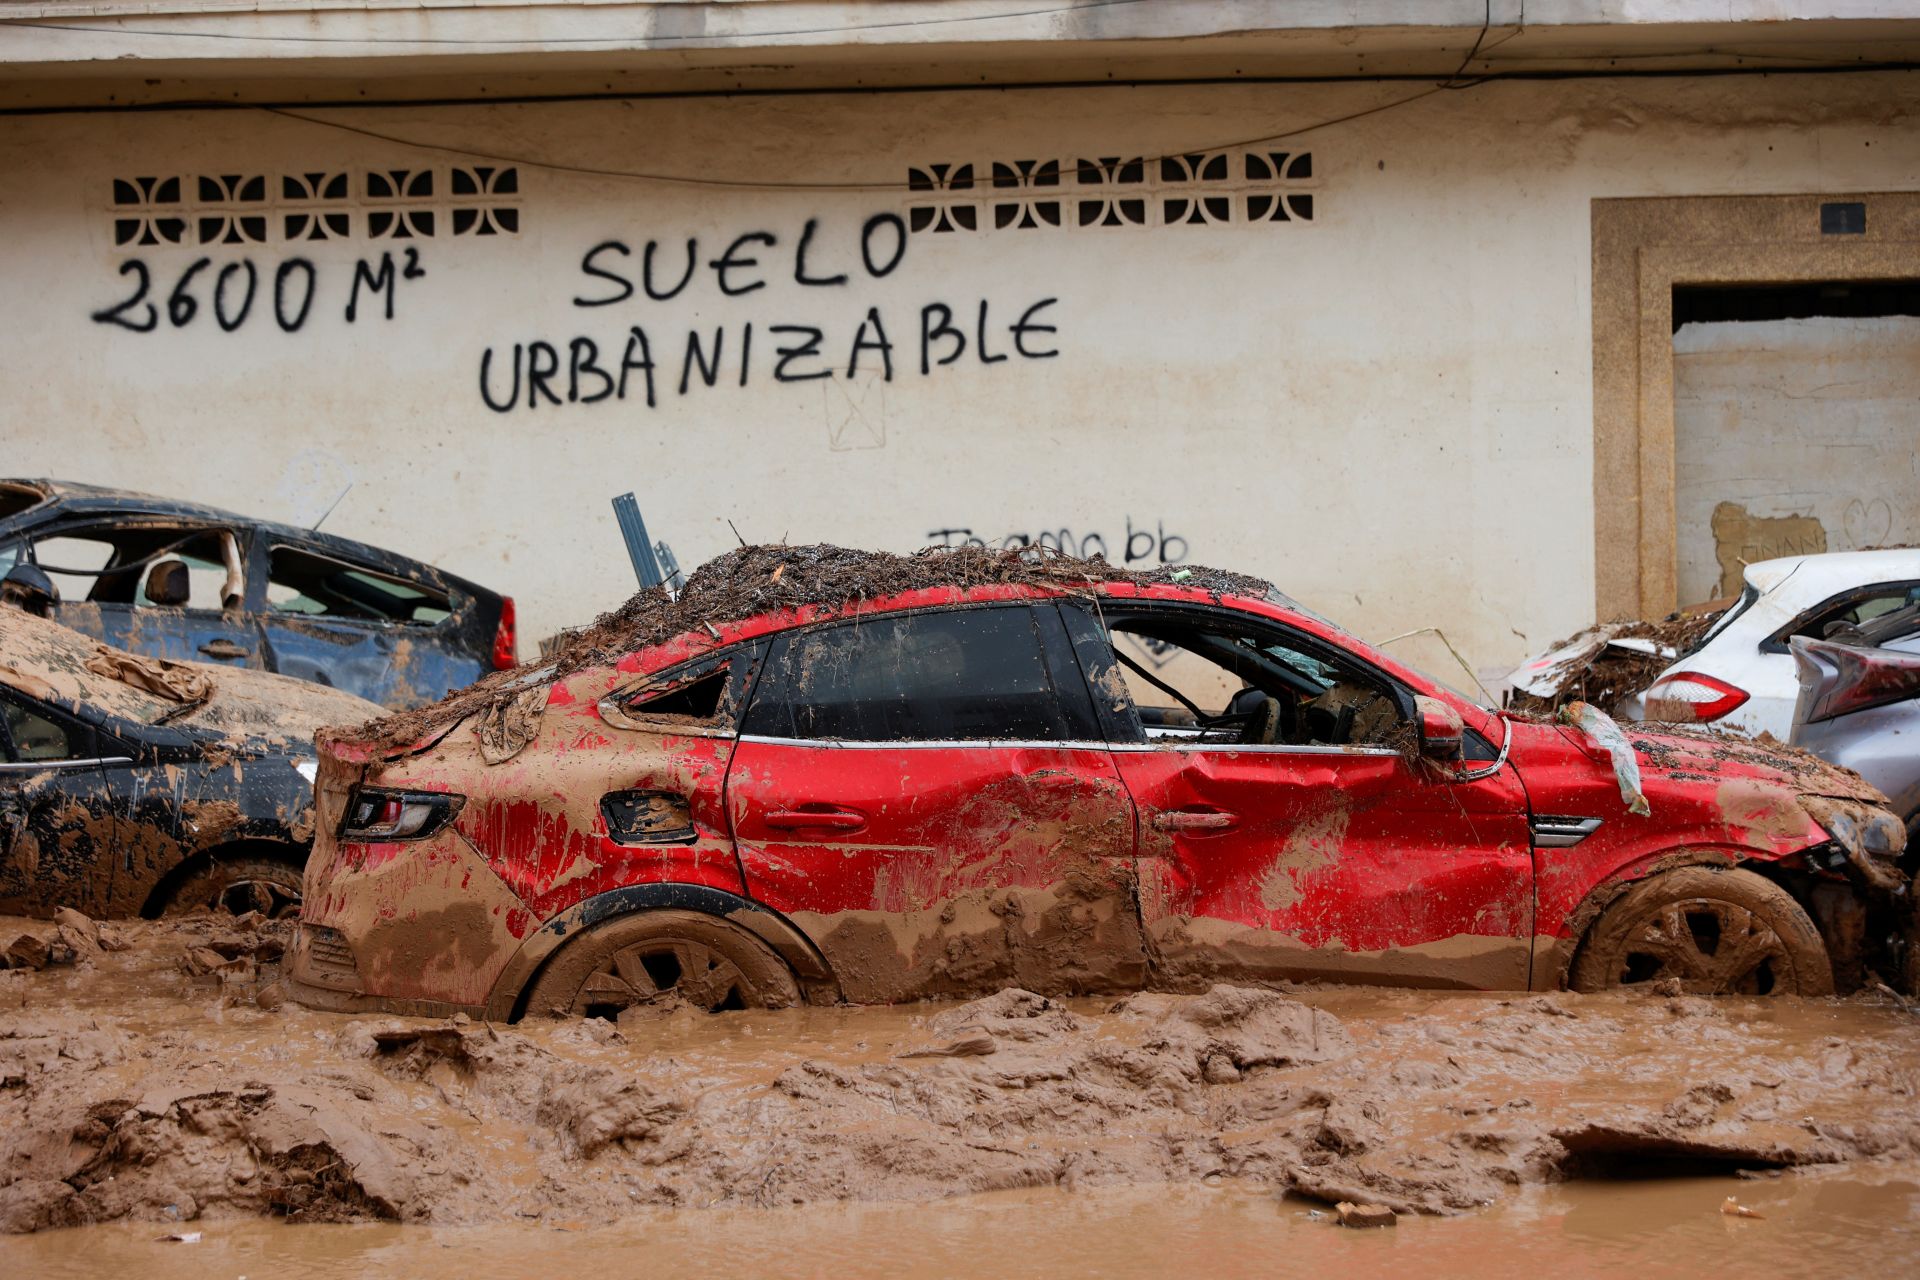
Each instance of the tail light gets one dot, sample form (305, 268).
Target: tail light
(376, 815)
(1839, 679)
(506, 639)
(1692, 698)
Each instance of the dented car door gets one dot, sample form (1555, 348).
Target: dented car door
(928, 797)
(1288, 833)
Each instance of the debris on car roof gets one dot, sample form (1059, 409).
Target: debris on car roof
(753, 580)
(1607, 664)
(43, 659)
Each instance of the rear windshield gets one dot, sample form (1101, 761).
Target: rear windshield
(304, 581)
(1740, 606)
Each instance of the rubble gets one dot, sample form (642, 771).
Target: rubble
(759, 579)
(1607, 664)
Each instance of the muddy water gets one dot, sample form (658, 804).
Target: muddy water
(1195, 1133)
(1815, 1224)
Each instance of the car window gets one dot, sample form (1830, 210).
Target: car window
(1221, 682)
(300, 580)
(702, 696)
(1853, 609)
(143, 565)
(31, 736)
(958, 675)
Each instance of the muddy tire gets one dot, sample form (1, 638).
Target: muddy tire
(1716, 931)
(658, 958)
(239, 885)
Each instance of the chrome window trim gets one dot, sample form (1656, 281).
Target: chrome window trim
(844, 744)
(41, 766)
(926, 744)
(1261, 748)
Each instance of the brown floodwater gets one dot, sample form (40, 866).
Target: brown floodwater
(1856, 1223)
(1203, 1134)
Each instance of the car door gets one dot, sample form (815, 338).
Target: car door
(927, 796)
(58, 817)
(1288, 830)
(161, 588)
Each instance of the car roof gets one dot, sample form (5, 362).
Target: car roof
(56, 664)
(89, 499)
(1824, 573)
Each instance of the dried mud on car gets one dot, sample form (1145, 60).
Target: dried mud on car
(164, 1082)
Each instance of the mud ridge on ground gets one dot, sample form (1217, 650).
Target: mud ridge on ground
(761, 579)
(140, 1085)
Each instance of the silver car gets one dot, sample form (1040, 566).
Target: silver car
(1859, 704)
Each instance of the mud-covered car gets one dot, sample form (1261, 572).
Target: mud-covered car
(191, 583)
(134, 786)
(822, 775)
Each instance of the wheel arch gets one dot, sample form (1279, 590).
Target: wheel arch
(815, 975)
(290, 854)
(1553, 964)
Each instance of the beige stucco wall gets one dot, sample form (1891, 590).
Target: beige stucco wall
(1790, 437)
(1387, 411)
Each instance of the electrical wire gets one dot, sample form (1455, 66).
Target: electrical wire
(593, 171)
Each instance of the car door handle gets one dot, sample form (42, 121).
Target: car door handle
(223, 649)
(818, 819)
(1194, 820)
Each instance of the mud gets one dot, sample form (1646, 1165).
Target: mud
(132, 1089)
(764, 579)
(46, 660)
(1607, 676)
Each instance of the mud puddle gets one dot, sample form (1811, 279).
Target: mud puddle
(141, 1093)
(1815, 1224)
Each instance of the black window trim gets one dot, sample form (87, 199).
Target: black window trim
(614, 705)
(1057, 651)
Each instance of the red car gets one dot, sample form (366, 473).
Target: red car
(1068, 784)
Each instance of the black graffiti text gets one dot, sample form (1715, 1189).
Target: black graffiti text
(234, 291)
(1142, 544)
(744, 264)
(651, 365)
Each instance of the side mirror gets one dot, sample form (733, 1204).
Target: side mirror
(1442, 732)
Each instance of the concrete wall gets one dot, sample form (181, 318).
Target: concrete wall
(1386, 409)
(1790, 437)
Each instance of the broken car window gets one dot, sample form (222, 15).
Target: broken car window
(300, 580)
(960, 675)
(144, 565)
(1196, 681)
(1854, 609)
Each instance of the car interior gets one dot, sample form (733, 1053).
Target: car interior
(1203, 682)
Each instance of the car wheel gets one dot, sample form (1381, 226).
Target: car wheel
(238, 886)
(1715, 931)
(657, 957)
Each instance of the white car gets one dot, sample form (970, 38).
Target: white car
(1741, 676)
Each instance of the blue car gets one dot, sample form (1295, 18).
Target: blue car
(197, 584)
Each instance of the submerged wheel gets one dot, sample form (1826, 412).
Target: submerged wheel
(238, 886)
(1717, 931)
(657, 956)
